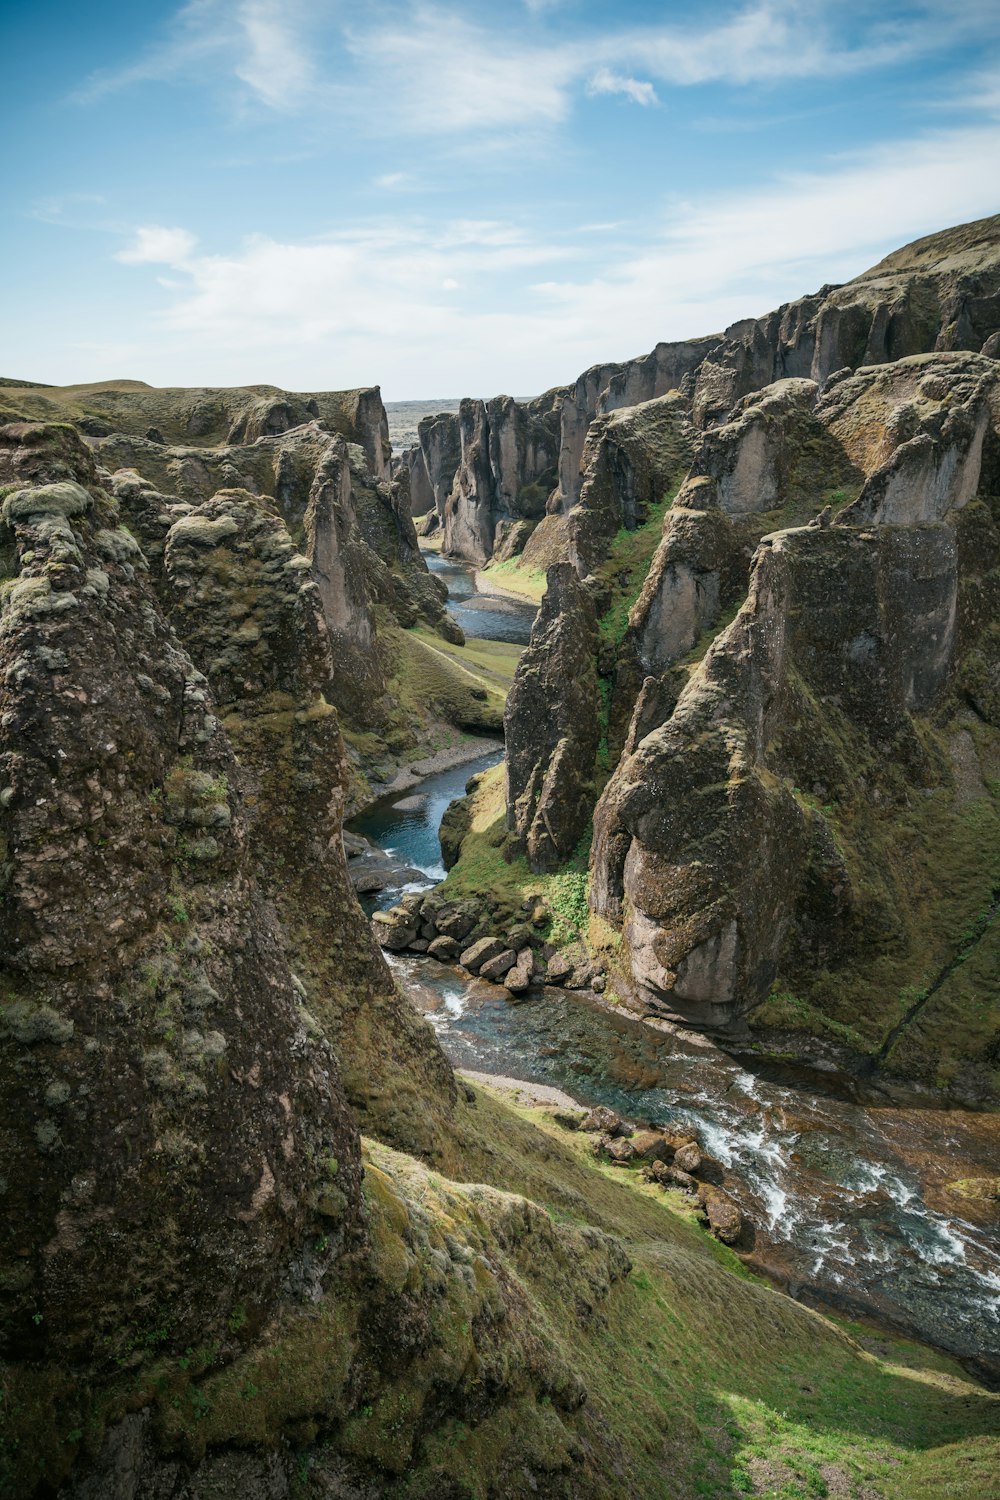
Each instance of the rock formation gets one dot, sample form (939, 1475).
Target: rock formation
(167, 1101)
(728, 883)
(851, 639)
(506, 469)
(552, 725)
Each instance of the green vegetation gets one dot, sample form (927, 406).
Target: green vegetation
(519, 578)
(486, 871)
(701, 1382)
(926, 865)
(624, 571)
(434, 680)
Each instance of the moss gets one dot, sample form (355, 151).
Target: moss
(456, 1355)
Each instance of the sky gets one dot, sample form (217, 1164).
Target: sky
(462, 199)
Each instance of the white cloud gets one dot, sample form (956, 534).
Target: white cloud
(156, 245)
(273, 63)
(739, 255)
(445, 70)
(442, 74)
(606, 82)
(260, 42)
(392, 180)
(377, 302)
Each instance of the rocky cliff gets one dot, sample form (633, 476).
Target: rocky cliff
(748, 879)
(167, 1100)
(326, 477)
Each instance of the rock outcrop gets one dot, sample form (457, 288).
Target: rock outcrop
(506, 469)
(168, 1103)
(632, 461)
(552, 725)
(607, 388)
(706, 850)
(206, 417)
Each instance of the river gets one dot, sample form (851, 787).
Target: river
(850, 1201)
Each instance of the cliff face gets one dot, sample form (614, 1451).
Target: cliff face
(507, 467)
(187, 1224)
(167, 1101)
(728, 885)
(552, 726)
(607, 388)
(732, 843)
(354, 526)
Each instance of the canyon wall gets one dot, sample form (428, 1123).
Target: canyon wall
(833, 509)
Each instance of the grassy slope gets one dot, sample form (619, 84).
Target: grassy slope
(519, 579)
(702, 1382)
(704, 1372)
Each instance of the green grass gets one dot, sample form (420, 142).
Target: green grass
(708, 1376)
(631, 554)
(530, 582)
(701, 1381)
(484, 871)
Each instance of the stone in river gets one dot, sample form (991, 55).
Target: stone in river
(494, 969)
(443, 948)
(481, 952)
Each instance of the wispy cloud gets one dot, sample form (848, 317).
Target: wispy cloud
(155, 245)
(260, 43)
(444, 74)
(71, 210)
(421, 301)
(440, 69)
(606, 82)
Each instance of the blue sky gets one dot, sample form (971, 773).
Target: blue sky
(468, 198)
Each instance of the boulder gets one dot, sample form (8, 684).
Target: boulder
(392, 932)
(724, 1216)
(457, 922)
(688, 1158)
(519, 936)
(481, 951)
(652, 1146)
(520, 976)
(621, 1151)
(443, 948)
(494, 969)
(558, 968)
(605, 1121)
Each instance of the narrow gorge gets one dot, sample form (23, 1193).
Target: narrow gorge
(499, 933)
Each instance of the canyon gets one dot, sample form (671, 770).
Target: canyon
(715, 631)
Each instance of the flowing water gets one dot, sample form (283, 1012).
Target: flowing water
(851, 1202)
(483, 617)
